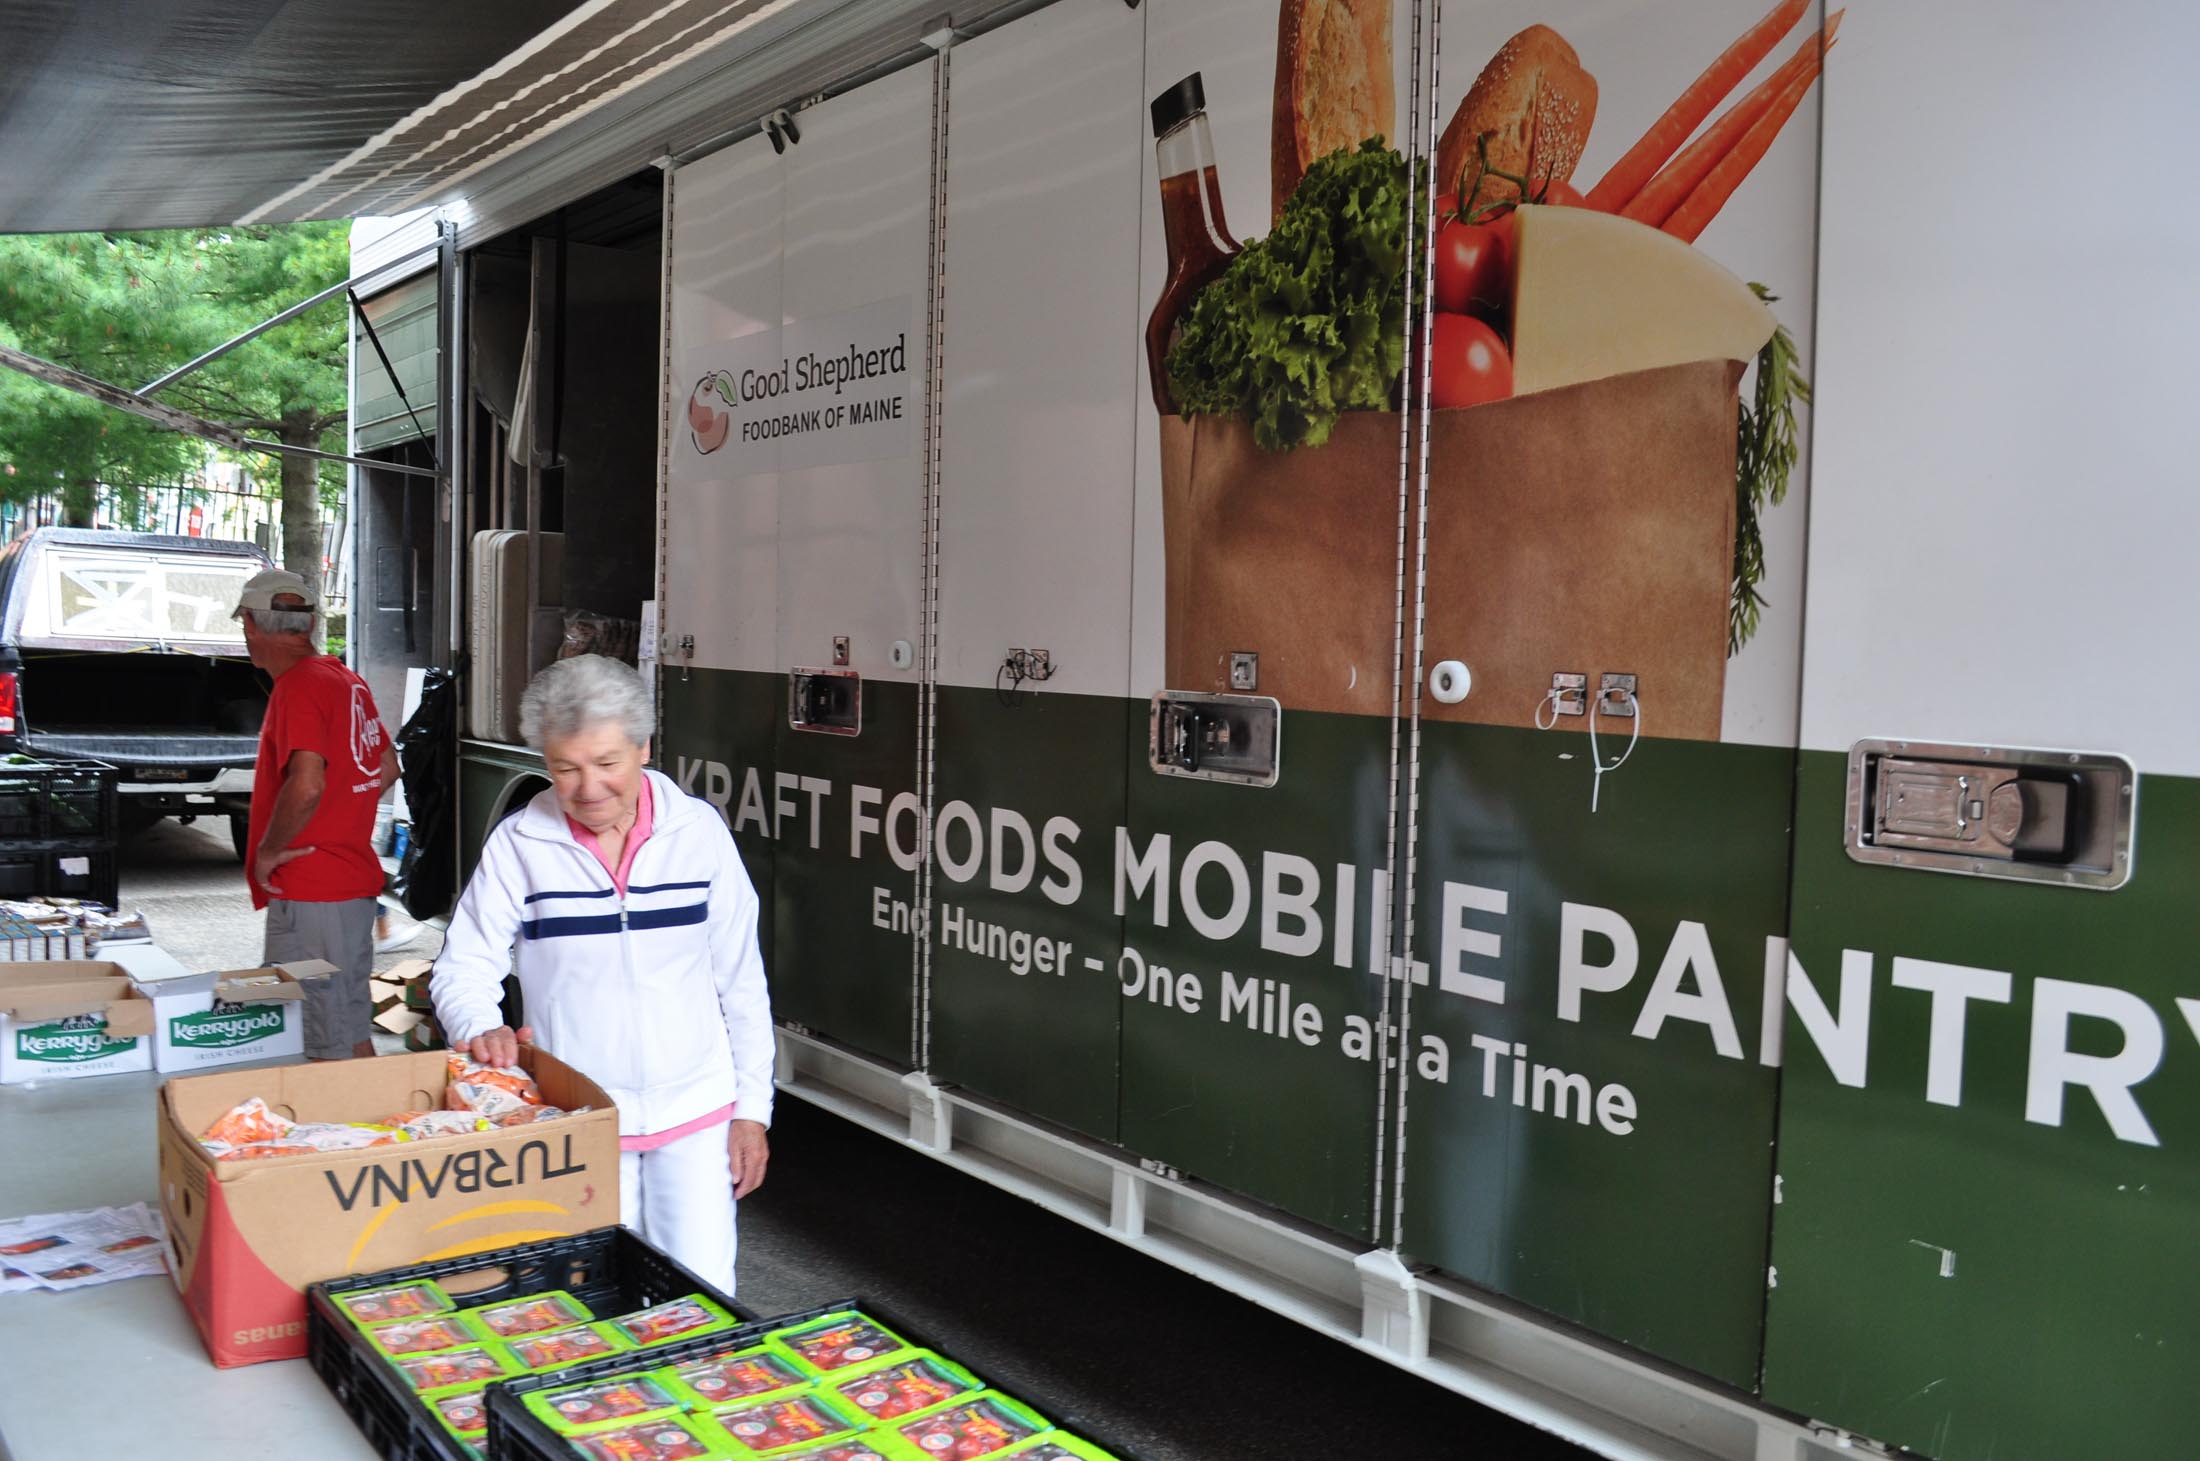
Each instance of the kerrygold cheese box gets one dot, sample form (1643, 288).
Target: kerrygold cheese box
(61, 1019)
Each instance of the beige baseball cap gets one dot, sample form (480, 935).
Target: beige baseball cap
(263, 588)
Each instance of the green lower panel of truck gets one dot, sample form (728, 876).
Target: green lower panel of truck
(1620, 1094)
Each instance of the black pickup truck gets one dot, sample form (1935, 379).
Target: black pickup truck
(120, 646)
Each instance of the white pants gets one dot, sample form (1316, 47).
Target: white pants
(680, 1197)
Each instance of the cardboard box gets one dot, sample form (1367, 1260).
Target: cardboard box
(205, 1020)
(392, 992)
(65, 1018)
(245, 1238)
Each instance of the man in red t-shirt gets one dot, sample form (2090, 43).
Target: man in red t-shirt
(324, 763)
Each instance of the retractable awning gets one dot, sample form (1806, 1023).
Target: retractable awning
(139, 114)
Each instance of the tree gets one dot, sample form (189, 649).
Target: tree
(129, 308)
(82, 301)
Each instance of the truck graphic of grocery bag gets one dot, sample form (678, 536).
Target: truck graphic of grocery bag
(1593, 474)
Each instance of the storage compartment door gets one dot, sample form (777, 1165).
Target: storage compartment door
(1035, 531)
(1589, 1109)
(721, 692)
(845, 415)
(1250, 857)
(1990, 1106)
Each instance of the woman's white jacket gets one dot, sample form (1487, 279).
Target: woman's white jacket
(659, 996)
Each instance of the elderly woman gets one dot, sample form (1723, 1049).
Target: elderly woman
(633, 926)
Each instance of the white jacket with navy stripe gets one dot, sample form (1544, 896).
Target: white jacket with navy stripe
(658, 997)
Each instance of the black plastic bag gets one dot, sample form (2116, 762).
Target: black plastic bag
(427, 757)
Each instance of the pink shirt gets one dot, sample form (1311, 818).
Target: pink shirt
(645, 821)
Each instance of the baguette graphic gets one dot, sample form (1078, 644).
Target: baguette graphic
(1534, 103)
(1333, 85)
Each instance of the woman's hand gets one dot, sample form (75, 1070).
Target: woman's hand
(747, 1152)
(499, 1046)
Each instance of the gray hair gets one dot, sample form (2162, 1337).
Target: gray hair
(584, 691)
(283, 621)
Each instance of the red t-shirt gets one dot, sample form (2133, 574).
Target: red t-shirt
(319, 706)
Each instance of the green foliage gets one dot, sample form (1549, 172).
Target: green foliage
(1767, 441)
(128, 308)
(1309, 321)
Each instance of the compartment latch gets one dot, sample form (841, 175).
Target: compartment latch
(829, 702)
(1235, 738)
(2033, 816)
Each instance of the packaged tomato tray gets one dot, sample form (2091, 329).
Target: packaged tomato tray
(404, 1301)
(856, 1448)
(838, 1341)
(463, 1411)
(982, 1427)
(534, 1315)
(678, 1319)
(476, 1365)
(905, 1385)
(561, 1347)
(669, 1439)
(778, 1425)
(737, 1374)
(573, 1406)
(1058, 1446)
(419, 1336)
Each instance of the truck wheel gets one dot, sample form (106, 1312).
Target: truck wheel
(240, 828)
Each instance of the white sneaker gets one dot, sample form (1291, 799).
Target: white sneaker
(393, 931)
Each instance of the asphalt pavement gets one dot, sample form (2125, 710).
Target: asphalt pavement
(1165, 1366)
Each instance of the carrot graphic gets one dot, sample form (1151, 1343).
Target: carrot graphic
(1678, 178)
(1666, 135)
(1702, 205)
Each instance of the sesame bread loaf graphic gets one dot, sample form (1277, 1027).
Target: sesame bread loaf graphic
(1534, 103)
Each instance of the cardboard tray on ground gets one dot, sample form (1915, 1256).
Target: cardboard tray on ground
(1587, 529)
(246, 1237)
(517, 1434)
(611, 1270)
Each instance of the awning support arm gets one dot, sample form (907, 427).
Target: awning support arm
(175, 420)
(374, 338)
(284, 318)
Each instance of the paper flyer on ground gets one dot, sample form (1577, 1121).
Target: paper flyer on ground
(74, 1250)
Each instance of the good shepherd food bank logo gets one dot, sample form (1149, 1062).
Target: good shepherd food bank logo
(73, 1041)
(814, 392)
(226, 1026)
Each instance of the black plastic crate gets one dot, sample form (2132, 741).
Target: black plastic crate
(81, 869)
(20, 873)
(611, 1270)
(22, 803)
(82, 801)
(59, 797)
(517, 1434)
(62, 869)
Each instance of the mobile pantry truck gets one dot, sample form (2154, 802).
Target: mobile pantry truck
(1596, 799)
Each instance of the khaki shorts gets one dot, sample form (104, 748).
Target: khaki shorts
(339, 1010)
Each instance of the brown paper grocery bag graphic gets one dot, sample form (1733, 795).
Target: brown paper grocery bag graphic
(1587, 530)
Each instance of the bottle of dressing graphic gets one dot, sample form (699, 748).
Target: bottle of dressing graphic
(1199, 240)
